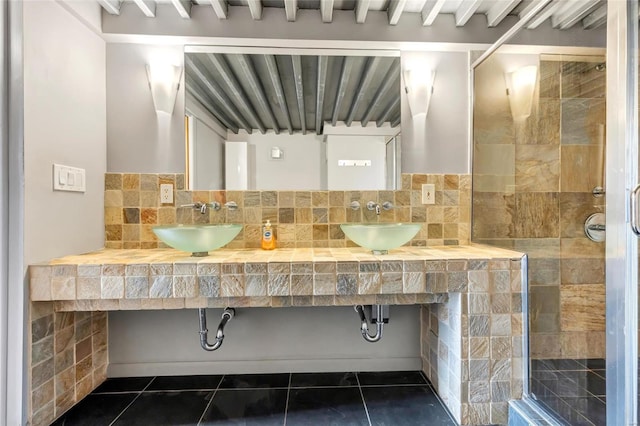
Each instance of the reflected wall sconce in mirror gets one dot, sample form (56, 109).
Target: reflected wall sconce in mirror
(164, 81)
(521, 85)
(418, 84)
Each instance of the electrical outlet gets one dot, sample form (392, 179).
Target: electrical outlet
(166, 193)
(428, 193)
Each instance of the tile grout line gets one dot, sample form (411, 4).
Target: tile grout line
(286, 406)
(366, 410)
(210, 401)
(131, 403)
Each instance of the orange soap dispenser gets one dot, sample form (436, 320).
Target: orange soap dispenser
(268, 238)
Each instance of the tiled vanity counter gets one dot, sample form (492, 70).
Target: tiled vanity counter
(471, 316)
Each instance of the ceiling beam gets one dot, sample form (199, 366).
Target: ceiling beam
(274, 74)
(183, 7)
(221, 8)
(499, 11)
(365, 82)
(388, 111)
(572, 12)
(326, 10)
(111, 6)
(347, 67)
(362, 7)
(545, 14)
(258, 90)
(219, 96)
(232, 84)
(199, 96)
(296, 60)
(466, 10)
(430, 11)
(323, 63)
(255, 7)
(595, 19)
(395, 9)
(291, 9)
(148, 7)
(395, 122)
(389, 80)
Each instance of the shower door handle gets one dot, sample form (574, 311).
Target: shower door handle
(634, 210)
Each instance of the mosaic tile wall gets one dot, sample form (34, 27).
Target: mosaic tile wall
(68, 359)
(472, 345)
(301, 218)
(533, 183)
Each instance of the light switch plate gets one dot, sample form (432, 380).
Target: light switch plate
(166, 193)
(67, 178)
(428, 193)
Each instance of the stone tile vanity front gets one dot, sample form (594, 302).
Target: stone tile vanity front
(471, 315)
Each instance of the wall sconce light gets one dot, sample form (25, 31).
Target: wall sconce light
(521, 85)
(164, 81)
(418, 84)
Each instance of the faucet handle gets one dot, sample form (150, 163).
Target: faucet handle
(387, 205)
(214, 205)
(371, 205)
(354, 205)
(231, 205)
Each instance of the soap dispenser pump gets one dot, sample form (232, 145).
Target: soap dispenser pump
(268, 238)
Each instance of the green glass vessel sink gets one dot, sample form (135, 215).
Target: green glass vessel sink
(197, 239)
(380, 237)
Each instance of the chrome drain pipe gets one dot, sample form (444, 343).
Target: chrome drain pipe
(364, 325)
(227, 315)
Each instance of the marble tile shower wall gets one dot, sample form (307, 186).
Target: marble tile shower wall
(533, 183)
(68, 359)
(301, 218)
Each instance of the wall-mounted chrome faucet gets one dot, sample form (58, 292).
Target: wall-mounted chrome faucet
(203, 206)
(371, 205)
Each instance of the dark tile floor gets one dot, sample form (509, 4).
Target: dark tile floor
(382, 398)
(574, 390)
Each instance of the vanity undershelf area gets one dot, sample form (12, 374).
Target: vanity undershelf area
(470, 297)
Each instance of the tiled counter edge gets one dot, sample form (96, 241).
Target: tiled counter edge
(471, 316)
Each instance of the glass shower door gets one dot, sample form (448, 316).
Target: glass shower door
(622, 213)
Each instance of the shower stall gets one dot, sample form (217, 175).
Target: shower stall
(555, 176)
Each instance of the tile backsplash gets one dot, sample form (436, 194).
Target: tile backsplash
(301, 218)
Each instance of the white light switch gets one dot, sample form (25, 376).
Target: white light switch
(67, 178)
(428, 193)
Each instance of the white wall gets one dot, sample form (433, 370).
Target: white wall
(64, 122)
(303, 166)
(206, 155)
(371, 148)
(261, 340)
(138, 139)
(439, 143)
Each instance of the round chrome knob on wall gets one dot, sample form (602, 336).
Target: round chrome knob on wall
(594, 227)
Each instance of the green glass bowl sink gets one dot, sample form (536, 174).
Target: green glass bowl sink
(197, 239)
(380, 237)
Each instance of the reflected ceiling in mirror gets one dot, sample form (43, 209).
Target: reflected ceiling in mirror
(295, 93)
(312, 110)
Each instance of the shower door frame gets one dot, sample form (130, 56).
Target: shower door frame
(621, 243)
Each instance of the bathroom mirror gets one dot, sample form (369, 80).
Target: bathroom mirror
(296, 119)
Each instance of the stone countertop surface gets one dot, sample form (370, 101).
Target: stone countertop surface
(111, 279)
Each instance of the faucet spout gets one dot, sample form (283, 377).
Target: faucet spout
(374, 206)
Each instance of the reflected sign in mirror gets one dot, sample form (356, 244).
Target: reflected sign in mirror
(292, 121)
